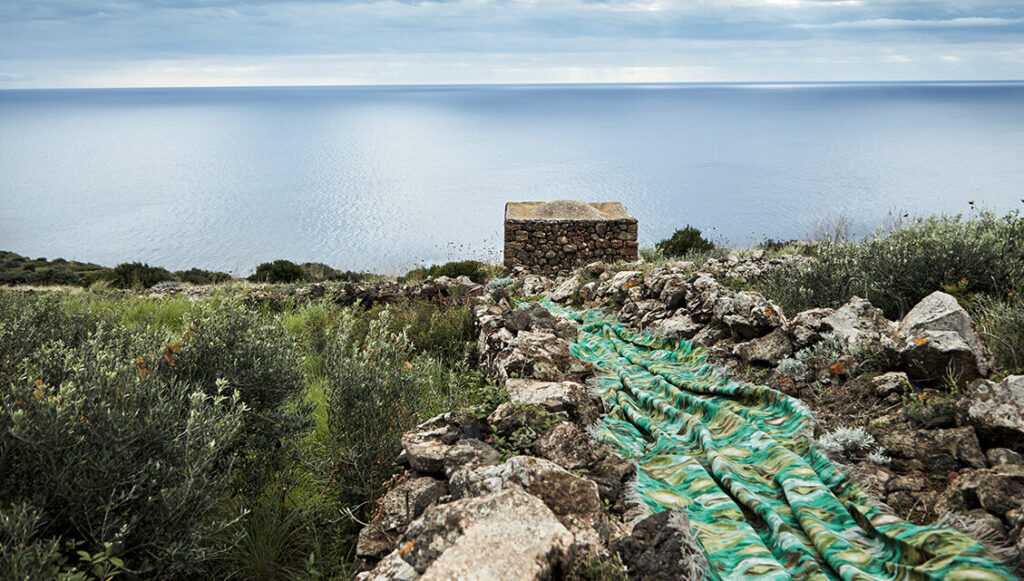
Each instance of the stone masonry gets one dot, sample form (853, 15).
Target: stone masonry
(555, 237)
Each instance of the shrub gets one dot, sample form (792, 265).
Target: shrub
(376, 391)
(475, 270)
(279, 271)
(853, 443)
(199, 276)
(98, 445)
(137, 274)
(226, 344)
(1001, 324)
(651, 254)
(317, 272)
(896, 270)
(802, 364)
(683, 242)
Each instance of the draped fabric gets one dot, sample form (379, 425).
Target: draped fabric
(763, 502)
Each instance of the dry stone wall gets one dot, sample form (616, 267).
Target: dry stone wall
(568, 235)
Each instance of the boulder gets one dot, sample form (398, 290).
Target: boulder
(889, 383)
(568, 446)
(536, 318)
(806, 328)
(767, 350)
(941, 451)
(568, 397)
(861, 327)
(996, 410)
(400, 506)
(748, 315)
(998, 456)
(565, 289)
(939, 341)
(540, 355)
(469, 453)
(425, 446)
(661, 548)
(507, 535)
(392, 568)
(574, 500)
(998, 490)
(679, 326)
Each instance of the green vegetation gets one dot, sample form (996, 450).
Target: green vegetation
(172, 439)
(684, 242)
(19, 270)
(895, 270)
(137, 275)
(279, 271)
(476, 271)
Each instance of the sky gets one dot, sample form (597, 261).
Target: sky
(136, 43)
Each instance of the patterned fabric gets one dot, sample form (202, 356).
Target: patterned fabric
(764, 503)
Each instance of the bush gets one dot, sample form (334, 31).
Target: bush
(377, 389)
(199, 276)
(1001, 323)
(98, 444)
(279, 271)
(317, 272)
(896, 270)
(137, 274)
(475, 270)
(683, 242)
(226, 344)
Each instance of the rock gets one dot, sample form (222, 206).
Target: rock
(940, 341)
(996, 410)
(426, 445)
(568, 446)
(941, 451)
(574, 500)
(567, 397)
(748, 315)
(540, 355)
(537, 318)
(860, 327)
(469, 453)
(661, 548)
(889, 383)
(910, 483)
(806, 328)
(507, 535)
(400, 506)
(767, 350)
(565, 289)
(998, 490)
(998, 456)
(679, 326)
(391, 568)
(710, 335)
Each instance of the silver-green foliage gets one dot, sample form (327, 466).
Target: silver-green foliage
(853, 443)
(895, 270)
(802, 364)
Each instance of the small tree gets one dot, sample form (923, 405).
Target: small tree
(683, 242)
(279, 271)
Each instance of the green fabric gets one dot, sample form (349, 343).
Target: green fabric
(737, 458)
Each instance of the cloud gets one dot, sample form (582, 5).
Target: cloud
(56, 41)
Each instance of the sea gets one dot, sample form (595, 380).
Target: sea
(381, 179)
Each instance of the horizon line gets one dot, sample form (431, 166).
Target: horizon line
(534, 84)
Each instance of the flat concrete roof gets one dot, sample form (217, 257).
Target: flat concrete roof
(567, 210)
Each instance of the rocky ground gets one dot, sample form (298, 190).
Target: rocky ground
(524, 485)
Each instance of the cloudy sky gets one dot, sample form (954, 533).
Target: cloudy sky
(113, 43)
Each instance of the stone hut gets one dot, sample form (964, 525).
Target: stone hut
(555, 237)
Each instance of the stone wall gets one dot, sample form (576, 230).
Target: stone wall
(558, 236)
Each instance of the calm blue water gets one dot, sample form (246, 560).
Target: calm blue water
(381, 178)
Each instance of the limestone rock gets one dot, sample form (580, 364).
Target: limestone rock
(661, 548)
(574, 500)
(998, 490)
(941, 451)
(426, 445)
(391, 568)
(998, 456)
(767, 350)
(537, 318)
(806, 328)
(469, 453)
(679, 326)
(568, 446)
(565, 289)
(996, 410)
(569, 397)
(889, 383)
(940, 341)
(507, 535)
(861, 327)
(748, 315)
(400, 506)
